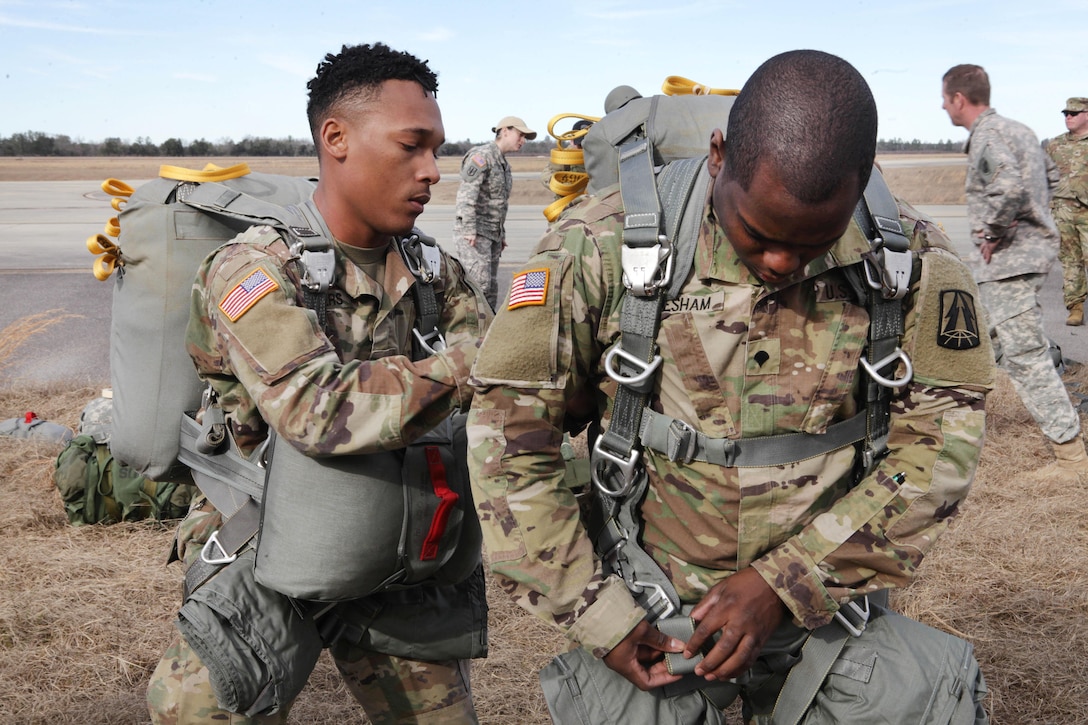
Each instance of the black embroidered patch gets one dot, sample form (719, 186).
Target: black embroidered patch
(959, 322)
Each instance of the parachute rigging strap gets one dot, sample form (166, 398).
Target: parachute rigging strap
(210, 172)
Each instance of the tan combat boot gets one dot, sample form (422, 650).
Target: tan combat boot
(1076, 315)
(1071, 466)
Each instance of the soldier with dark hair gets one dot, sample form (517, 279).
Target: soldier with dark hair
(757, 354)
(345, 385)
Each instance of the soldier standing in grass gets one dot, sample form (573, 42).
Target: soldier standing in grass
(759, 353)
(1070, 205)
(479, 223)
(1008, 209)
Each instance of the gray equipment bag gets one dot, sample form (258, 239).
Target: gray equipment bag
(679, 128)
(162, 241)
(368, 523)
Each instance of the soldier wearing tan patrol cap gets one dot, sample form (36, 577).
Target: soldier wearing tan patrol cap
(1069, 205)
(479, 224)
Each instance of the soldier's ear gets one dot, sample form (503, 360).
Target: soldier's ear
(334, 138)
(716, 161)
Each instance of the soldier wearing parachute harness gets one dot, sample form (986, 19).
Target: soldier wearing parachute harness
(738, 502)
(333, 381)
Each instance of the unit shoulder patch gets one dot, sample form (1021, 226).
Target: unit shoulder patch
(958, 328)
(246, 294)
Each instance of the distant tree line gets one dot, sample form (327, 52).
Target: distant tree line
(35, 143)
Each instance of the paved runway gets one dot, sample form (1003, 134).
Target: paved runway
(44, 226)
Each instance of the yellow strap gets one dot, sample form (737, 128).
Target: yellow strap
(100, 244)
(565, 183)
(211, 172)
(117, 202)
(116, 187)
(553, 210)
(680, 86)
(568, 157)
(113, 226)
(104, 266)
(572, 134)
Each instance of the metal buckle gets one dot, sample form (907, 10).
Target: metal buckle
(872, 369)
(639, 380)
(894, 272)
(626, 467)
(681, 442)
(432, 342)
(853, 611)
(221, 558)
(642, 272)
(656, 597)
(318, 267)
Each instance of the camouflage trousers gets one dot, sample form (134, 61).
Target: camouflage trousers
(481, 263)
(1021, 348)
(1072, 221)
(390, 689)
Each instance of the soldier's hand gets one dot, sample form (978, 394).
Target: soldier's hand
(746, 610)
(640, 656)
(470, 239)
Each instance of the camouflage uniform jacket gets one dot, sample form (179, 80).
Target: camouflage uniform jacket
(484, 194)
(740, 359)
(1070, 153)
(353, 390)
(1007, 183)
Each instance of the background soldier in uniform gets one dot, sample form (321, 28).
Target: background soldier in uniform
(479, 223)
(346, 384)
(1008, 208)
(1070, 205)
(763, 341)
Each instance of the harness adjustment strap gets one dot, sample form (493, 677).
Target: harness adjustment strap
(680, 442)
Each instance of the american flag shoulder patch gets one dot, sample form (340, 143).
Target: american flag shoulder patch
(246, 294)
(529, 288)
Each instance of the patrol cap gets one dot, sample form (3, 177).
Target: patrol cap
(517, 123)
(618, 97)
(1076, 104)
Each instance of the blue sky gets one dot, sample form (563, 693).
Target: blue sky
(217, 69)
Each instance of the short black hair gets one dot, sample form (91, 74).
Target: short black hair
(359, 70)
(812, 116)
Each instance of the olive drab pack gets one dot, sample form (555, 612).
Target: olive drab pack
(97, 488)
(160, 241)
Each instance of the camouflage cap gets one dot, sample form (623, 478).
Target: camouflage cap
(1076, 104)
(96, 420)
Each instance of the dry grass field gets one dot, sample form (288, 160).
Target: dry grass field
(86, 612)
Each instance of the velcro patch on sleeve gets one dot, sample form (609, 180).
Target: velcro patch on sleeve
(949, 340)
(528, 288)
(246, 294)
(522, 346)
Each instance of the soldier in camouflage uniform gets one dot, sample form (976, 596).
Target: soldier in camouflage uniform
(347, 385)
(763, 340)
(1070, 205)
(1008, 209)
(479, 223)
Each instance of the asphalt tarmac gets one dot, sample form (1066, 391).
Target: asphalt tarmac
(47, 269)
